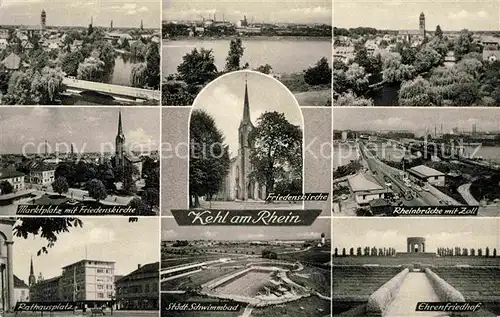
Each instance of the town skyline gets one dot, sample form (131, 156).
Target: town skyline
(126, 14)
(277, 11)
(100, 239)
(416, 120)
(450, 16)
(65, 126)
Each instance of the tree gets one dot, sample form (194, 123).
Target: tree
(91, 69)
(70, 62)
(6, 188)
(140, 207)
(320, 74)
(234, 56)
(209, 157)
(278, 150)
(487, 252)
(265, 69)
(97, 190)
(426, 59)
(439, 32)
(139, 75)
(35, 87)
(464, 44)
(349, 99)
(351, 251)
(60, 185)
(153, 66)
(494, 252)
(356, 79)
(197, 67)
(416, 93)
(343, 252)
(358, 251)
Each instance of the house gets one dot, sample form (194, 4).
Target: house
(43, 175)
(427, 174)
(12, 62)
(3, 44)
(139, 289)
(15, 178)
(21, 290)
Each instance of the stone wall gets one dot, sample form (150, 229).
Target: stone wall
(383, 297)
(445, 291)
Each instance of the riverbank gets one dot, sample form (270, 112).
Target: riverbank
(165, 41)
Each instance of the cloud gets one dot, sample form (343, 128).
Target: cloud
(464, 14)
(139, 139)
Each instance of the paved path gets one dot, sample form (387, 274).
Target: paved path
(416, 288)
(464, 190)
(248, 311)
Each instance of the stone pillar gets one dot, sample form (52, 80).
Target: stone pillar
(11, 300)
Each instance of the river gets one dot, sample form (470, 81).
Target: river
(284, 55)
(488, 153)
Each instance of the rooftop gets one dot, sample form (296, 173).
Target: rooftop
(147, 268)
(424, 171)
(9, 173)
(85, 260)
(359, 183)
(18, 283)
(12, 61)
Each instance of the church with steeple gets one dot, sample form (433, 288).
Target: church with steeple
(238, 184)
(122, 156)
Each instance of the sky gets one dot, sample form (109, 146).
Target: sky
(451, 15)
(416, 120)
(438, 232)
(224, 97)
(124, 13)
(171, 231)
(272, 11)
(29, 127)
(105, 239)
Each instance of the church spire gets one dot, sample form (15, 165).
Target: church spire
(120, 129)
(246, 105)
(32, 278)
(32, 271)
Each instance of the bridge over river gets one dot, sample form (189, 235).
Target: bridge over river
(116, 91)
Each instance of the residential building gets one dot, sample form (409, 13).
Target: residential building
(45, 290)
(43, 175)
(344, 53)
(139, 289)
(85, 280)
(88, 280)
(21, 290)
(15, 178)
(3, 44)
(12, 62)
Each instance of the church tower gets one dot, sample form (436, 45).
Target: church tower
(43, 20)
(245, 187)
(119, 142)
(32, 278)
(422, 24)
